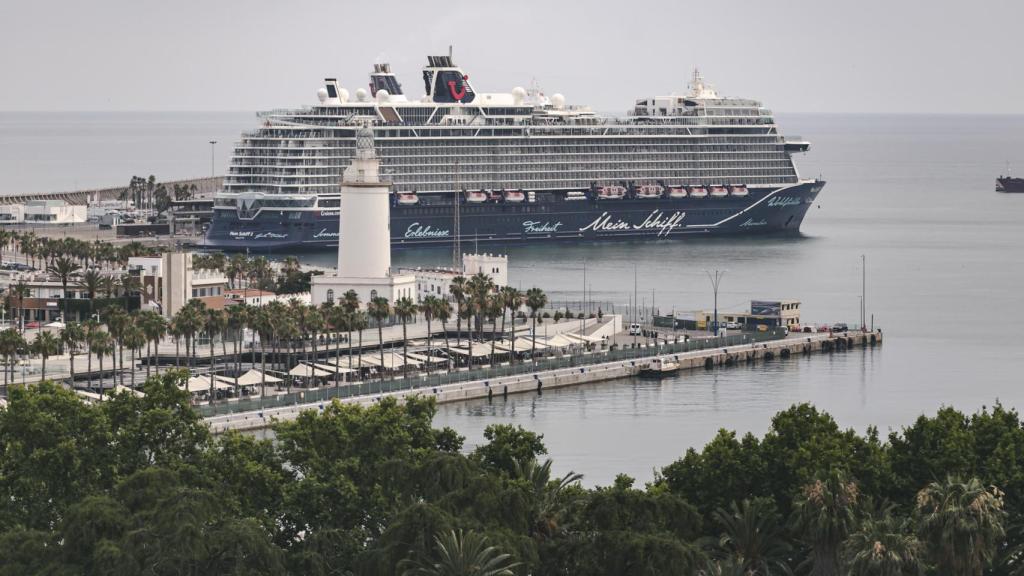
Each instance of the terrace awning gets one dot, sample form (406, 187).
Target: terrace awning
(307, 371)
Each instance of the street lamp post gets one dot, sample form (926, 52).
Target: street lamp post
(715, 280)
(213, 148)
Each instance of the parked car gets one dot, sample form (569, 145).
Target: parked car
(809, 329)
(839, 327)
(731, 325)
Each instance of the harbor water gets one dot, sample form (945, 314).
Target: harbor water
(913, 194)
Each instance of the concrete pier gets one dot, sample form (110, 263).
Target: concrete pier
(537, 382)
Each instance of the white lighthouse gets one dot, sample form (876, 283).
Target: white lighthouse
(364, 239)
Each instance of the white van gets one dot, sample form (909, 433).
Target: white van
(634, 329)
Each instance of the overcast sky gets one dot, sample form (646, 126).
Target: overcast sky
(796, 56)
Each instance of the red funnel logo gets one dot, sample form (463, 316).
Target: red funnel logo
(457, 92)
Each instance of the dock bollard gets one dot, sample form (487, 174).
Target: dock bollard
(505, 392)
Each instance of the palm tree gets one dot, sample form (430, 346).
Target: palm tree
(176, 331)
(117, 321)
(443, 313)
(429, 307)
(512, 299)
(64, 268)
(101, 345)
(90, 282)
(461, 554)
(548, 499)
(134, 338)
(379, 310)
(131, 285)
(18, 292)
(72, 337)
(11, 344)
(360, 321)
(458, 291)
(962, 524)
(825, 514)
(154, 326)
(45, 345)
(216, 323)
(884, 545)
(406, 310)
(238, 317)
(494, 306)
(341, 320)
(535, 300)
(752, 538)
(5, 239)
(91, 326)
(350, 304)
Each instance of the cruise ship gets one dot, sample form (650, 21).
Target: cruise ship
(514, 167)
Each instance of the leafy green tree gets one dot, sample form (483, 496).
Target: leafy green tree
(508, 445)
(64, 268)
(726, 470)
(962, 523)
(56, 451)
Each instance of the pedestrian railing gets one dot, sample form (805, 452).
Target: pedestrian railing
(422, 381)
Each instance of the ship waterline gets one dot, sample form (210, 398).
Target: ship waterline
(515, 167)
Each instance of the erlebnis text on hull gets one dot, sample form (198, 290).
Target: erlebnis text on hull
(518, 166)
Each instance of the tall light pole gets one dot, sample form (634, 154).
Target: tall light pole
(863, 292)
(213, 148)
(715, 280)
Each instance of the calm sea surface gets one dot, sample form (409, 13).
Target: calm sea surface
(914, 194)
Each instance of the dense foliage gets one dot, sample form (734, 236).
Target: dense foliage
(137, 485)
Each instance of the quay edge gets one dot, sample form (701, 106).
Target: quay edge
(564, 377)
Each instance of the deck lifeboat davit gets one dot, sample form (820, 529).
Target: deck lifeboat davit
(739, 190)
(698, 192)
(649, 191)
(719, 192)
(611, 192)
(408, 199)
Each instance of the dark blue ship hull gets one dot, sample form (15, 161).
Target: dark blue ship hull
(762, 211)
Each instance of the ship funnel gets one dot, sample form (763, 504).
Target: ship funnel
(383, 79)
(446, 83)
(335, 94)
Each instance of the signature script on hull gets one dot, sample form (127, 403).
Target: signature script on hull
(417, 230)
(656, 220)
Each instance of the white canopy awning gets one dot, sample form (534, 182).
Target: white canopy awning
(560, 341)
(307, 371)
(202, 384)
(479, 350)
(135, 393)
(335, 369)
(426, 358)
(583, 338)
(526, 344)
(255, 377)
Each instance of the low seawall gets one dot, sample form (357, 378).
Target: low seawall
(537, 382)
(205, 186)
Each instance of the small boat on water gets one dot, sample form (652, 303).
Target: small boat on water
(1009, 184)
(658, 367)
